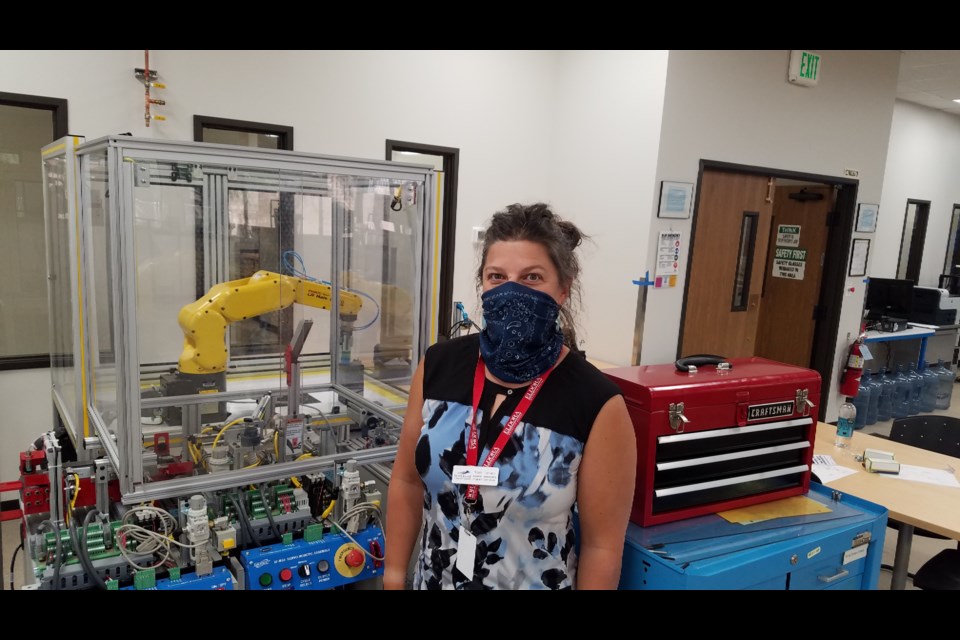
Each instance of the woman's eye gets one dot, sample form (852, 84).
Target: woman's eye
(534, 277)
(494, 276)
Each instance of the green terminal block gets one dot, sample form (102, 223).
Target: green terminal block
(146, 579)
(313, 532)
(288, 538)
(113, 585)
(174, 573)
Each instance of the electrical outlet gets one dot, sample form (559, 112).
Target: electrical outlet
(478, 233)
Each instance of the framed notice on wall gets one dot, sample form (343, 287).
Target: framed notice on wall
(676, 199)
(858, 257)
(867, 217)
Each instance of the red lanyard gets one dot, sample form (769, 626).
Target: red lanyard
(518, 413)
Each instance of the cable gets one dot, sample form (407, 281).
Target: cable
(269, 510)
(219, 435)
(461, 324)
(326, 512)
(302, 273)
(149, 541)
(242, 517)
(56, 554)
(359, 508)
(83, 553)
(294, 479)
(76, 491)
(13, 562)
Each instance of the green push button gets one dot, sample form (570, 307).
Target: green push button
(266, 580)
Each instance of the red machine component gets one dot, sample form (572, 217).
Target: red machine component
(32, 461)
(718, 439)
(176, 469)
(35, 493)
(354, 558)
(377, 552)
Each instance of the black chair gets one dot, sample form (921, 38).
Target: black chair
(940, 434)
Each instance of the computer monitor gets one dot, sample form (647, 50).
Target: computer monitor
(889, 297)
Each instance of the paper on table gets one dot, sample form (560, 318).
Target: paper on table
(925, 474)
(827, 469)
(795, 506)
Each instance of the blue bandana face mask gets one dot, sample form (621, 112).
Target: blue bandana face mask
(521, 338)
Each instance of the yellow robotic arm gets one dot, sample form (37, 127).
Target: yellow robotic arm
(204, 322)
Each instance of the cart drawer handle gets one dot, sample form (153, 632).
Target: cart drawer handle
(843, 573)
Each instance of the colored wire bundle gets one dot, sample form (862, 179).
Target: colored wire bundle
(149, 541)
(301, 272)
(355, 510)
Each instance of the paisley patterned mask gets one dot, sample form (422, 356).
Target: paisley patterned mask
(521, 337)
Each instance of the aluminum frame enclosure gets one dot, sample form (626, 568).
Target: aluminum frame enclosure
(108, 206)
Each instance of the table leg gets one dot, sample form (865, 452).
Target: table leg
(923, 355)
(901, 560)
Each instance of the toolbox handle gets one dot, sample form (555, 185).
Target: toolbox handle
(700, 360)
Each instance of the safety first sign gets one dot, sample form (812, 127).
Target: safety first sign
(789, 263)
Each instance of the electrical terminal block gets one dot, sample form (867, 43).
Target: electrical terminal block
(302, 499)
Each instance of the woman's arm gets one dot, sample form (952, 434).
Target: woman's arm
(606, 481)
(405, 493)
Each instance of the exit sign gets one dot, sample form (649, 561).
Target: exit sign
(804, 68)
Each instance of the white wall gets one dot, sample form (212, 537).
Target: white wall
(604, 153)
(737, 106)
(27, 412)
(922, 164)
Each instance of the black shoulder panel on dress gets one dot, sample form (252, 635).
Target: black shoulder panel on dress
(448, 369)
(568, 404)
(572, 397)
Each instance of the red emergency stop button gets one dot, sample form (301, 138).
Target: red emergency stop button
(354, 558)
(286, 574)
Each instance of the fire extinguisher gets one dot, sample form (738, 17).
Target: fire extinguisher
(850, 380)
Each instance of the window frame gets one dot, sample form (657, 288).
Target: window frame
(59, 114)
(283, 132)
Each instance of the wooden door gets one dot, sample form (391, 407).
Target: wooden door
(731, 232)
(794, 269)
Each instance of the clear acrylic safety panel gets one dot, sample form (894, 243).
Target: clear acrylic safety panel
(102, 299)
(60, 223)
(380, 260)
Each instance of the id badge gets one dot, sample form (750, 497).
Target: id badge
(481, 476)
(466, 552)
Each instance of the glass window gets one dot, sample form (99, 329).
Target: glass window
(741, 282)
(23, 289)
(242, 133)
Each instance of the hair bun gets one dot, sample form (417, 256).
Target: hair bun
(571, 233)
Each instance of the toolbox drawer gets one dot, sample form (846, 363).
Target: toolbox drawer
(724, 464)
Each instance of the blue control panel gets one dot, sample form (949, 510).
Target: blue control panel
(320, 564)
(220, 580)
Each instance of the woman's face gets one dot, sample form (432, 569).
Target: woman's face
(523, 262)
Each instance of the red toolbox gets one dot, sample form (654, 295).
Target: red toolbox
(719, 438)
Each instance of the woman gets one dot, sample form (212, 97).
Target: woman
(490, 503)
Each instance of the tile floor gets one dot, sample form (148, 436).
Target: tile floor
(922, 550)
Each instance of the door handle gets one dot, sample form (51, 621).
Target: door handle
(843, 573)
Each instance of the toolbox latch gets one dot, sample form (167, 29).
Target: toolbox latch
(803, 402)
(677, 419)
